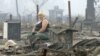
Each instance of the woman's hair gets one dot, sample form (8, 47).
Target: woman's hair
(41, 14)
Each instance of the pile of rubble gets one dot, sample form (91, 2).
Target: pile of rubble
(83, 48)
(87, 47)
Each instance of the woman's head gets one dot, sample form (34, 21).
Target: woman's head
(41, 16)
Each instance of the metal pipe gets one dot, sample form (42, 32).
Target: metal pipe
(10, 16)
(69, 11)
(18, 15)
(75, 22)
(37, 10)
(81, 26)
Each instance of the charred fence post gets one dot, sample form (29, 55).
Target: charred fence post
(69, 38)
(69, 11)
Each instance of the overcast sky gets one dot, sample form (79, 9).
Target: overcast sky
(27, 6)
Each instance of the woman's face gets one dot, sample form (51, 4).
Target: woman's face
(40, 17)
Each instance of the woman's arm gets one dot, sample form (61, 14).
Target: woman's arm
(33, 29)
(44, 26)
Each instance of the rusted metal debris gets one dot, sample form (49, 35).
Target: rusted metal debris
(83, 48)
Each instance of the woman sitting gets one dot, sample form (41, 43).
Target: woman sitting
(40, 31)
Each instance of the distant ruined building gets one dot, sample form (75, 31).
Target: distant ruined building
(56, 15)
(90, 13)
(4, 16)
(91, 18)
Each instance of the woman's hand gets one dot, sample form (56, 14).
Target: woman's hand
(33, 29)
(33, 33)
